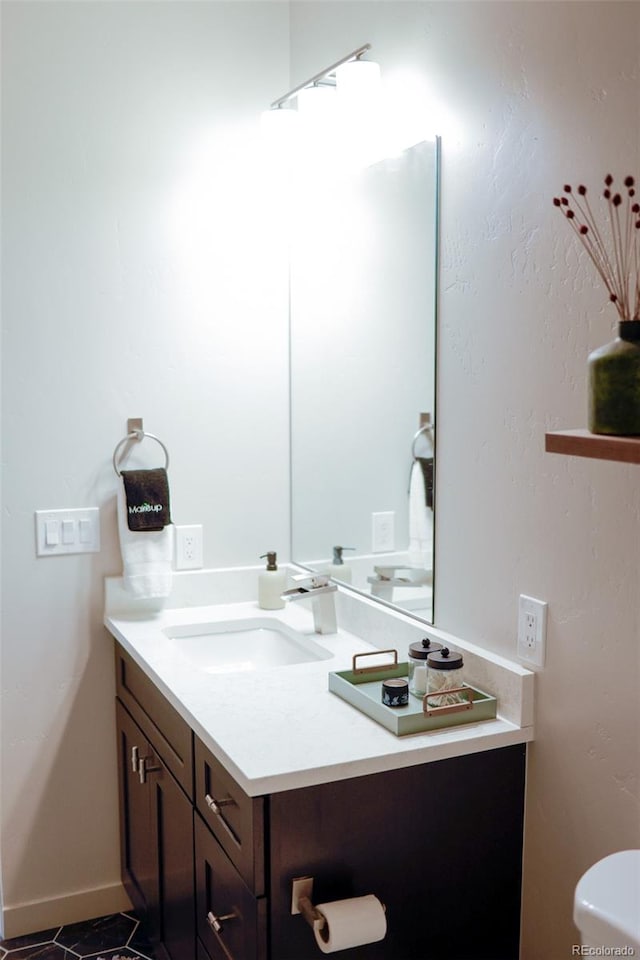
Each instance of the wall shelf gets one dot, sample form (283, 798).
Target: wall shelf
(582, 443)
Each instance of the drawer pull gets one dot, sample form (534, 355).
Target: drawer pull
(143, 769)
(134, 759)
(215, 805)
(216, 922)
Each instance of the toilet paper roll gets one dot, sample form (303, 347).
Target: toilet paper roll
(350, 923)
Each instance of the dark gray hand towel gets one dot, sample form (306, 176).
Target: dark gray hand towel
(147, 496)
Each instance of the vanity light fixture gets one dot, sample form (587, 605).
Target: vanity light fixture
(326, 121)
(361, 74)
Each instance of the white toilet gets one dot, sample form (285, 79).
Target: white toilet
(606, 908)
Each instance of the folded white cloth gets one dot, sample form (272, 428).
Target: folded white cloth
(146, 555)
(420, 521)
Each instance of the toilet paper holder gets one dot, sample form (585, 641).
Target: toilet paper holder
(301, 893)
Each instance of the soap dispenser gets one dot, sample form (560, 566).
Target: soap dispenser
(271, 584)
(339, 569)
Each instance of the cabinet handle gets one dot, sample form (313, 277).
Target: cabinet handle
(134, 759)
(215, 805)
(216, 922)
(143, 769)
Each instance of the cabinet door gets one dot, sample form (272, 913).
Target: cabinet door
(158, 720)
(137, 842)
(172, 824)
(230, 921)
(156, 830)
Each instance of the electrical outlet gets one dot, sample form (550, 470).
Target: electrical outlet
(383, 532)
(532, 630)
(189, 547)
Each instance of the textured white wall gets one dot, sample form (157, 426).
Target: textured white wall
(542, 93)
(142, 276)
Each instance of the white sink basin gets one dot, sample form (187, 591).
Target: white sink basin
(240, 645)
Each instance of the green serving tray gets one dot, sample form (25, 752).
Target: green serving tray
(363, 689)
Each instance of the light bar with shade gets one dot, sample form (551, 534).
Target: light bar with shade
(358, 82)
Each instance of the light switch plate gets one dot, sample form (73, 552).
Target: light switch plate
(67, 531)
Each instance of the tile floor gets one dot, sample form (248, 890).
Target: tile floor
(118, 935)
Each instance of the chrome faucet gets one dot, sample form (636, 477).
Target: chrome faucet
(318, 588)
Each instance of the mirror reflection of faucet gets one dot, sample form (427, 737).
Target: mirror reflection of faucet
(318, 588)
(388, 577)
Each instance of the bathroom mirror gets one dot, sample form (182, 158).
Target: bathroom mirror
(363, 329)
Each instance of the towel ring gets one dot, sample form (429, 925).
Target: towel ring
(139, 435)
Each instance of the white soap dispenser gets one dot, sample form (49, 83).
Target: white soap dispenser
(339, 569)
(271, 584)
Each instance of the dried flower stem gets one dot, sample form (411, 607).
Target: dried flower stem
(636, 311)
(617, 261)
(597, 245)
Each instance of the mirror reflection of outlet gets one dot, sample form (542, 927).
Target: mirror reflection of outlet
(189, 547)
(383, 532)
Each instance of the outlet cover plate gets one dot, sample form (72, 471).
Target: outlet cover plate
(383, 532)
(189, 547)
(532, 630)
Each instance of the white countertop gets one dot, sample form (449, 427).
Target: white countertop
(281, 728)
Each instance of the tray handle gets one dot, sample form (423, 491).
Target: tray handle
(450, 707)
(374, 653)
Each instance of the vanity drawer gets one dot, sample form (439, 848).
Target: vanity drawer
(230, 921)
(159, 721)
(236, 819)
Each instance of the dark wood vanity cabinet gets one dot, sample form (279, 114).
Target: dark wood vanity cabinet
(440, 844)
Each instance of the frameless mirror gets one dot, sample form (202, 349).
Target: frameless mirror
(363, 329)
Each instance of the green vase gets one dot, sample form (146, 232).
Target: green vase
(614, 383)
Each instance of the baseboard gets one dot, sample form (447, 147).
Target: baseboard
(24, 918)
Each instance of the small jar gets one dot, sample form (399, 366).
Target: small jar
(444, 673)
(395, 693)
(417, 662)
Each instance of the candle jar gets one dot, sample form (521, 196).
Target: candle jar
(417, 664)
(444, 674)
(395, 693)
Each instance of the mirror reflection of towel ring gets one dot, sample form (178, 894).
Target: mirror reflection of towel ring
(425, 429)
(138, 435)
